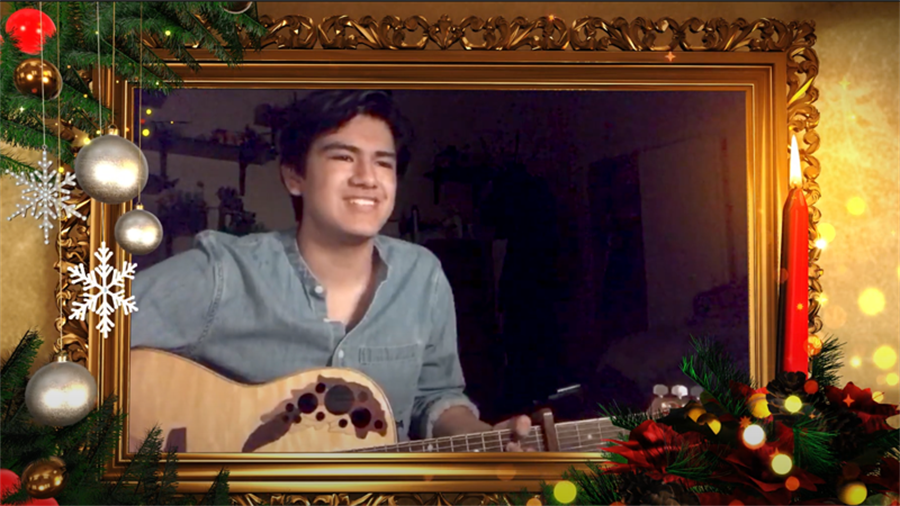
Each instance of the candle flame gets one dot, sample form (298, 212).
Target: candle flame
(796, 174)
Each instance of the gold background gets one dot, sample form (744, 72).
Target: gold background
(860, 158)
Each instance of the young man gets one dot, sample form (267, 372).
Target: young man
(333, 291)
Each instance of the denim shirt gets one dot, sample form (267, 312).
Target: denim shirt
(250, 309)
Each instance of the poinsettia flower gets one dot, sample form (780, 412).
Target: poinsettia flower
(652, 447)
(873, 414)
(754, 468)
(742, 390)
(889, 478)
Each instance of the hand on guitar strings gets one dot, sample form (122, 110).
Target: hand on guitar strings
(519, 427)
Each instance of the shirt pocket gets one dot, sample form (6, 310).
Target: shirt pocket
(396, 370)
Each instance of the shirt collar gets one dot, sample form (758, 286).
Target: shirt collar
(288, 238)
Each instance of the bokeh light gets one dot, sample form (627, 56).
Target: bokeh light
(793, 404)
(853, 493)
(892, 379)
(534, 501)
(856, 206)
(885, 357)
(855, 362)
(871, 301)
(826, 231)
(565, 492)
(878, 396)
(782, 464)
(792, 483)
(754, 436)
(145, 132)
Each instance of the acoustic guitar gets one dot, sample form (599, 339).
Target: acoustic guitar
(318, 410)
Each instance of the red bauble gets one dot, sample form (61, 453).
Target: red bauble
(24, 28)
(9, 482)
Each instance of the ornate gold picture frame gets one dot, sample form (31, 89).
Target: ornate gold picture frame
(772, 62)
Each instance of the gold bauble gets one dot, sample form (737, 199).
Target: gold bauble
(759, 406)
(695, 412)
(31, 73)
(853, 493)
(814, 345)
(237, 7)
(711, 421)
(44, 478)
(139, 232)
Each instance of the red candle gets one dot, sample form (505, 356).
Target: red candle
(794, 303)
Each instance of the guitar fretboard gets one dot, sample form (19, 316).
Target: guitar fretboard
(580, 436)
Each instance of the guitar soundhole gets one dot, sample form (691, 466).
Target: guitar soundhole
(289, 407)
(297, 419)
(320, 416)
(307, 403)
(342, 422)
(378, 424)
(320, 388)
(339, 400)
(361, 418)
(286, 418)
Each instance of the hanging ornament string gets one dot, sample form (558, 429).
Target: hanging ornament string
(113, 70)
(43, 101)
(140, 133)
(100, 119)
(60, 342)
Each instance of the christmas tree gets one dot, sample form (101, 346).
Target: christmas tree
(81, 39)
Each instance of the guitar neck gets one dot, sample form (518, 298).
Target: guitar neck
(580, 436)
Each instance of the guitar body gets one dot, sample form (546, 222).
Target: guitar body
(200, 411)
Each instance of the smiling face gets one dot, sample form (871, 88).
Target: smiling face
(349, 181)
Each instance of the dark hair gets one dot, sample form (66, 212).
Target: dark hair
(323, 112)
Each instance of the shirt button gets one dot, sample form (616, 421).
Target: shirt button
(340, 353)
(318, 289)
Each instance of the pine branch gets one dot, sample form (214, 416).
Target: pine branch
(15, 369)
(825, 367)
(86, 462)
(10, 165)
(695, 464)
(812, 449)
(713, 369)
(217, 495)
(625, 418)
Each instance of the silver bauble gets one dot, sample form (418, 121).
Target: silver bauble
(111, 169)
(139, 232)
(60, 393)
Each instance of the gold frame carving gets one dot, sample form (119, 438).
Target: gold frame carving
(764, 58)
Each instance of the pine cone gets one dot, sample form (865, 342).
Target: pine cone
(849, 430)
(787, 383)
(634, 486)
(792, 383)
(670, 494)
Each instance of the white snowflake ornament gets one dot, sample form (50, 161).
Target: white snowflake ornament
(46, 197)
(105, 279)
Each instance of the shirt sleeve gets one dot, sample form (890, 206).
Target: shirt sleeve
(441, 382)
(177, 299)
